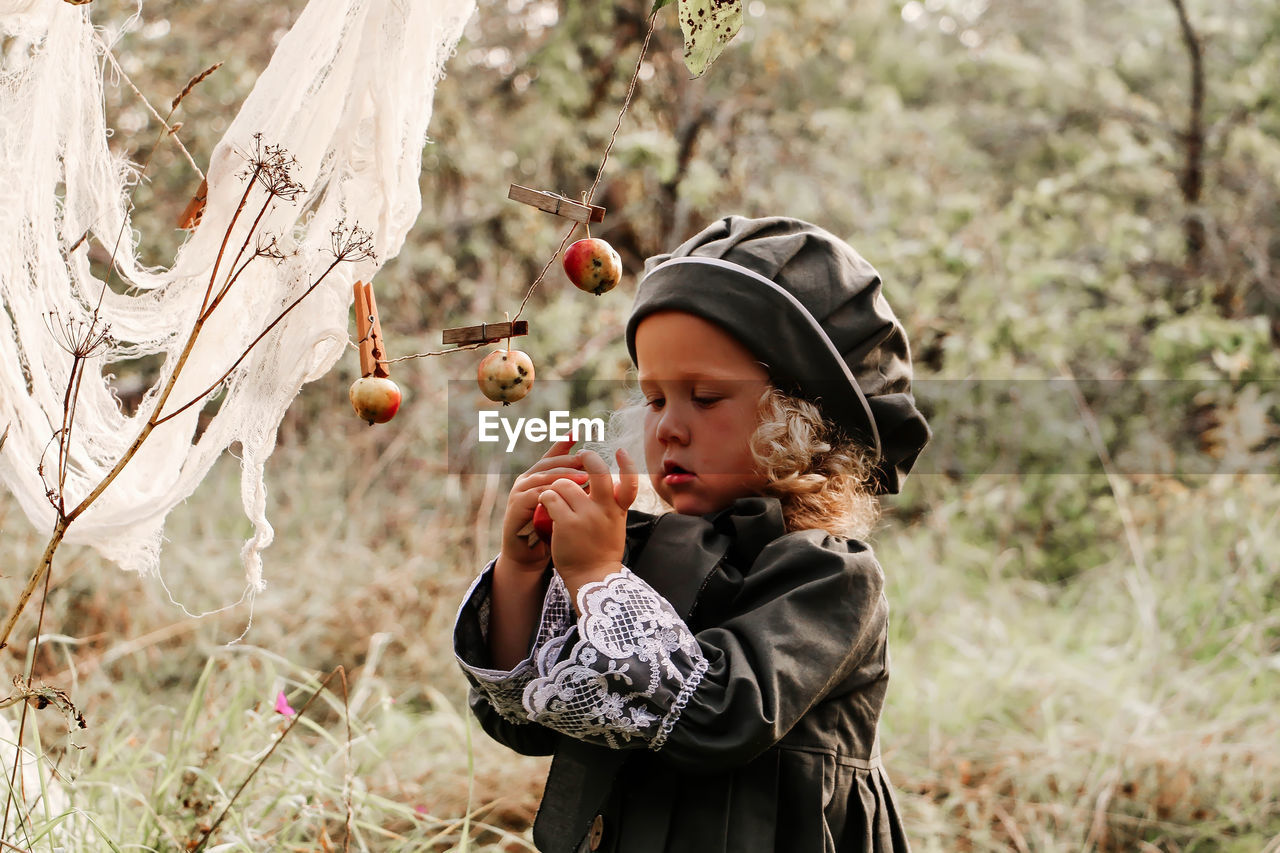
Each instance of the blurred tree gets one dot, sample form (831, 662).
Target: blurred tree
(1026, 176)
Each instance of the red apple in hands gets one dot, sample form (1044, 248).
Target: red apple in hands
(593, 265)
(542, 523)
(505, 376)
(376, 399)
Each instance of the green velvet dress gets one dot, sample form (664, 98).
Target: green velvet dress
(720, 695)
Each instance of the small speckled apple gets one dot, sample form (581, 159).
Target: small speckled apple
(505, 376)
(376, 399)
(593, 265)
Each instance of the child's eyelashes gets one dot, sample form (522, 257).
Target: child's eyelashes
(702, 401)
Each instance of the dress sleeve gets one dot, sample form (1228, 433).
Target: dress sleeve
(496, 695)
(633, 675)
(622, 678)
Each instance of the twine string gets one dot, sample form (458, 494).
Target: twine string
(590, 194)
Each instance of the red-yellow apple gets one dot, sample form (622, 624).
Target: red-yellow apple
(593, 265)
(376, 399)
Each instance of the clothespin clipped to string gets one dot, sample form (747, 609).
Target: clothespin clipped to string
(374, 396)
(369, 332)
(557, 204)
(485, 333)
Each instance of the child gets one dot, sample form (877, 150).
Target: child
(711, 679)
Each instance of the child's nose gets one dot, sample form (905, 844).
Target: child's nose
(672, 427)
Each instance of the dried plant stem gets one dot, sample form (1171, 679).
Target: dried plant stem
(64, 516)
(77, 369)
(191, 84)
(164, 121)
(152, 422)
(235, 272)
(146, 164)
(46, 562)
(338, 672)
(226, 238)
(155, 419)
(294, 304)
(71, 399)
(64, 434)
(22, 718)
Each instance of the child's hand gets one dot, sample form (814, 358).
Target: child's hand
(556, 463)
(591, 528)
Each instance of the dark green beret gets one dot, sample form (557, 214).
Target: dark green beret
(811, 309)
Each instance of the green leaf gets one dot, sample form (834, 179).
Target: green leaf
(708, 25)
(658, 4)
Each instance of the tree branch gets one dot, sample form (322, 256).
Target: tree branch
(1192, 181)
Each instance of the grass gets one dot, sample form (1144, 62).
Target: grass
(1128, 704)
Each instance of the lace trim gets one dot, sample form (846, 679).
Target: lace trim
(673, 716)
(630, 673)
(504, 689)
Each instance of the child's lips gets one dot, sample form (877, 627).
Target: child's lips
(674, 475)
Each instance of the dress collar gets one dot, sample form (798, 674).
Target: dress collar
(751, 523)
(677, 554)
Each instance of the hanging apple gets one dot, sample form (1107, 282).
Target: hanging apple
(376, 399)
(505, 376)
(593, 265)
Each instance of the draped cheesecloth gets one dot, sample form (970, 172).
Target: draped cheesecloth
(348, 93)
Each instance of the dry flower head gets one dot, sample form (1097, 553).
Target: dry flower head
(272, 167)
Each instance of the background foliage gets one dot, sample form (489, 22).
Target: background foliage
(1086, 656)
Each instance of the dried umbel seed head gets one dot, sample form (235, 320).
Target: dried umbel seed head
(593, 265)
(376, 399)
(505, 376)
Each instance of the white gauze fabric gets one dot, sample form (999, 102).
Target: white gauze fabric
(348, 93)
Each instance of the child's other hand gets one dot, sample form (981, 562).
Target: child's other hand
(591, 528)
(555, 464)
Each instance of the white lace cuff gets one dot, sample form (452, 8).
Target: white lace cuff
(632, 669)
(504, 689)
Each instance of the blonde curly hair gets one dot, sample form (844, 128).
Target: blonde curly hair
(821, 477)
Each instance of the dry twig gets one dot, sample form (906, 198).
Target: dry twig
(340, 673)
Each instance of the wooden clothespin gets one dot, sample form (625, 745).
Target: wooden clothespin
(485, 333)
(369, 332)
(557, 204)
(194, 210)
